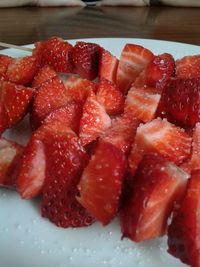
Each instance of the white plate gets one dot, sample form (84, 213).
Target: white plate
(27, 240)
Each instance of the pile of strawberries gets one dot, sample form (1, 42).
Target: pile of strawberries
(113, 137)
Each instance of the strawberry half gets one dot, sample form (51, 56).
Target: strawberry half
(15, 100)
(85, 57)
(10, 155)
(121, 133)
(188, 67)
(5, 61)
(158, 184)
(44, 74)
(183, 232)
(108, 65)
(161, 137)
(94, 120)
(134, 58)
(101, 182)
(110, 97)
(22, 70)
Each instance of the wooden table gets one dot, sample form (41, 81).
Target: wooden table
(29, 24)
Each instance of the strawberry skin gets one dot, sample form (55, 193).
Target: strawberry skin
(162, 137)
(22, 70)
(101, 182)
(188, 67)
(110, 97)
(183, 232)
(85, 57)
(134, 58)
(94, 120)
(5, 61)
(44, 74)
(10, 156)
(108, 65)
(158, 184)
(15, 100)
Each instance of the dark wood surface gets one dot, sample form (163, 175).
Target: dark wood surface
(29, 24)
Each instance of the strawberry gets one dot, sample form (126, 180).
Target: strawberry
(188, 67)
(101, 182)
(134, 58)
(15, 100)
(161, 137)
(10, 155)
(79, 89)
(85, 57)
(56, 53)
(94, 120)
(5, 61)
(158, 185)
(110, 97)
(142, 102)
(44, 74)
(183, 232)
(108, 65)
(22, 70)
(194, 162)
(69, 114)
(121, 133)
(180, 99)
(160, 69)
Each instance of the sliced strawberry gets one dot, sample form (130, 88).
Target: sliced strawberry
(69, 114)
(181, 100)
(45, 73)
(194, 162)
(161, 137)
(158, 185)
(56, 53)
(110, 97)
(142, 102)
(5, 61)
(160, 69)
(121, 133)
(85, 57)
(10, 155)
(79, 89)
(183, 232)
(108, 65)
(188, 67)
(14, 102)
(22, 70)
(101, 182)
(94, 120)
(134, 58)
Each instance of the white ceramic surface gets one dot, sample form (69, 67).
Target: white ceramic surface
(27, 240)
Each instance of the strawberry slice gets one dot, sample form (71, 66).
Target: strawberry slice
(121, 133)
(194, 162)
(101, 182)
(15, 100)
(180, 99)
(5, 61)
(158, 185)
(183, 232)
(79, 89)
(110, 97)
(56, 53)
(94, 120)
(108, 65)
(188, 67)
(10, 155)
(161, 137)
(85, 57)
(44, 74)
(160, 69)
(22, 70)
(134, 58)
(142, 102)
